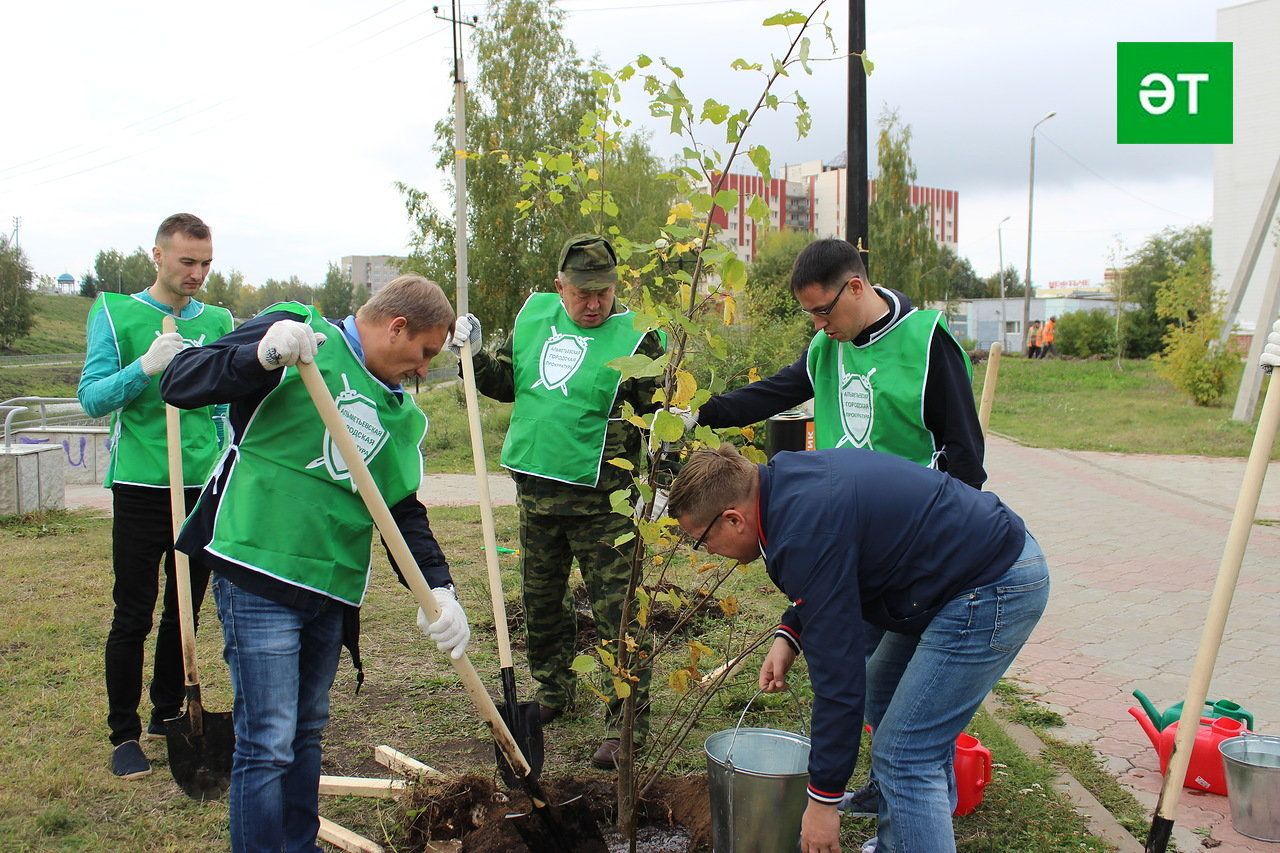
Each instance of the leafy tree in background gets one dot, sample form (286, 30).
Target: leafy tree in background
(902, 250)
(1192, 358)
(1082, 334)
(529, 93)
(224, 290)
(769, 296)
(17, 314)
(121, 273)
(1158, 259)
(89, 285)
(1012, 284)
(254, 299)
(334, 297)
(956, 277)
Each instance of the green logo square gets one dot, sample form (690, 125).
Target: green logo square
(1173, 92)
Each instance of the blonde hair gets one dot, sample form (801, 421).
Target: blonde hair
(711, 482)
(418, 300)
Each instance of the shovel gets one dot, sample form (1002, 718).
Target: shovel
(1215, 623)
(567, 828)
(522, 718)
(200, 742)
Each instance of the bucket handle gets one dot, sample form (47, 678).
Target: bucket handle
(728, 755)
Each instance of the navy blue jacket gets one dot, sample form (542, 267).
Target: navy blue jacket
(851, 534)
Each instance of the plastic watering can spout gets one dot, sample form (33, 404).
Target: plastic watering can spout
(1157, 719)
(1153, 734)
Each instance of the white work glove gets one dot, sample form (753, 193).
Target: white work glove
(659, 505)
(288, 342)
(450, 631)
(1271, 352)
(466, 329)
(690, 419)
(160, 353)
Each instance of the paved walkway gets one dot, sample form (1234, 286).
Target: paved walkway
(1134, 544)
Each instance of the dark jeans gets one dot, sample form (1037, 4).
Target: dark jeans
(142, 537)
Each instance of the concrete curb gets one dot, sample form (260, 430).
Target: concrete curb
(1101, 822)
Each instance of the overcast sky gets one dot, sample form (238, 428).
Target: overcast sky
(285, 124)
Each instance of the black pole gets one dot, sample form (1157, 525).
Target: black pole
(855, 226)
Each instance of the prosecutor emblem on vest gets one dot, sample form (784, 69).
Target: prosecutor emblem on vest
(562, 355)
(361, 417)
(857, 408)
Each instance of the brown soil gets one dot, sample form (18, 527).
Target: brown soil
(674, 817)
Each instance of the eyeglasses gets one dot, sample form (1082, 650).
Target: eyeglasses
(825, 310)
(698, 543)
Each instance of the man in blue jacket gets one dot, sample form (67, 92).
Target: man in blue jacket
(949, 573)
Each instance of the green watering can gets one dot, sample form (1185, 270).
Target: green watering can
(1212, 709)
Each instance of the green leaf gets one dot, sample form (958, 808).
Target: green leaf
(785, 19)
(867, 65)
(624, 464)
(758, 209)
(743, 65)
(584, 664)
(803, 55)
(707, 436)
(620, 502)
(641, 366)
(727, 199)
(643, 61)
(761, 159)
(667, 427)
(734, 272)
(624, 539)
(701, 202)
(555, 197)
(714, 111)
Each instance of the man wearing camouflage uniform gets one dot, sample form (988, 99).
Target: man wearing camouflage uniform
(565, 426)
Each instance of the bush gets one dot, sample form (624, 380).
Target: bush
(1086, 333)
(1196, 365)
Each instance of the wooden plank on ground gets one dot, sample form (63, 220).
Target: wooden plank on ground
(357, 786)
(396, 760)
(345, 839)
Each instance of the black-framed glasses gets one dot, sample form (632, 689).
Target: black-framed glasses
(825, 310)
(698, 543)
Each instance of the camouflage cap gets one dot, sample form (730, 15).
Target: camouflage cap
(587, 261)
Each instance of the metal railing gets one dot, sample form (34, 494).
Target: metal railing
(43, 412)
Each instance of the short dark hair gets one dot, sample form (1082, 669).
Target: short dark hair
(187, 223)
(828, 263)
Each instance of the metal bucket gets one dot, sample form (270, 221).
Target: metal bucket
(757, 779)
(1253, 784)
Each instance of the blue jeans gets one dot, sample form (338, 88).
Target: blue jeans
(922, 692)
(282, 662)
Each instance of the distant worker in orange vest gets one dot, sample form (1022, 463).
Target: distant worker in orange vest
(1046, 337)
(1033, 339)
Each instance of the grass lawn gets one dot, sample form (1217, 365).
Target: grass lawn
(56, 792)
(1102, 405)
(58, 328)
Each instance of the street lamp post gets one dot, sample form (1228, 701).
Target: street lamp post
(1031, 195)
(1000, 248)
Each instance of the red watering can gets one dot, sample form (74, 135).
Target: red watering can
(1205, 773)
(973, 773)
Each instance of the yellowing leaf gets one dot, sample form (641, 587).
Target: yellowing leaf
(607, 658)
(679, 681)
(683, 210)
(706, 567)
(753, 375)
(593, 174)
(699, 650)
(686, 385)
(621, 688)
(729, 606)
(658, 559)
(642, 612)
(584, 664)
(636, 420)
(624, 464)
(730, 310)
(749, 433)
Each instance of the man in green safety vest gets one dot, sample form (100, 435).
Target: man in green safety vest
(125, 351)
(289, 539)
(565, 426)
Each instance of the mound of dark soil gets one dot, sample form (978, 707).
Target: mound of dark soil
(674, 817)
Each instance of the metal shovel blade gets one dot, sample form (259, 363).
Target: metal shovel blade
(200, 760)
(525, 724)
(567, 828)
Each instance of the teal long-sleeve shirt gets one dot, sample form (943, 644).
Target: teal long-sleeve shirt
(105, 384)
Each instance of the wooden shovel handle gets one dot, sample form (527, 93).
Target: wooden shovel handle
(377, 506)
(1220, 604)
(989, 386)
(496, 598)
(178, 511)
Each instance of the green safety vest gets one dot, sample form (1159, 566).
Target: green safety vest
(139, 443)
(873, 396)
(564, 390)
(290, 508)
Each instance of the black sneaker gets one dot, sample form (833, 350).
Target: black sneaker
(864, 802)
(157, 730)
(128, 762)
